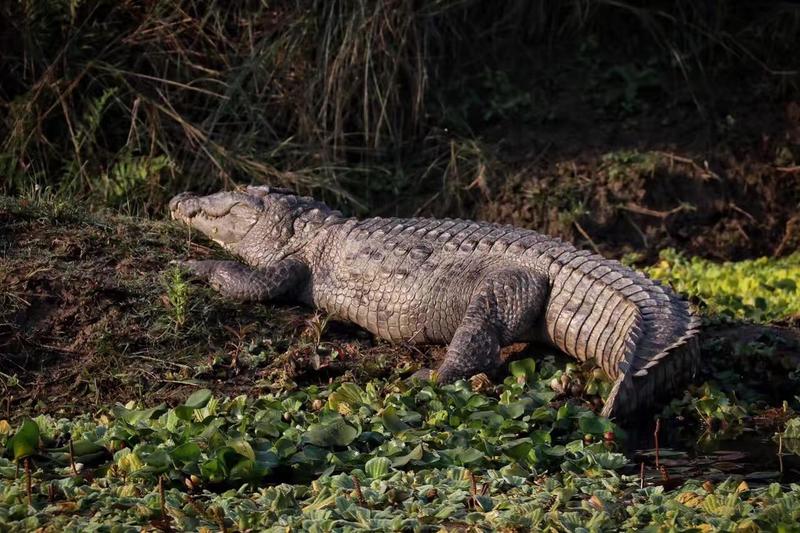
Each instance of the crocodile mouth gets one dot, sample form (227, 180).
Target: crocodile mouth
(223, 217)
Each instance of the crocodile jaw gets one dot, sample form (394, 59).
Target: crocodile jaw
(226, 218)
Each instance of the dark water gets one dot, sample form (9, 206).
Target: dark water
(750, 455)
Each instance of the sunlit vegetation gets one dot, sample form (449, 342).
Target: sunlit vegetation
(760, 290)
(389, 454)
(385, 456)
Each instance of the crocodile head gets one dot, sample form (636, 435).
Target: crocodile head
(259, 224)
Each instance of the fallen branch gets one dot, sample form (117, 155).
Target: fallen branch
(704, 170)
(788, 170)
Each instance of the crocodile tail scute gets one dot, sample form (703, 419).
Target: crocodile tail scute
(637, 389)
(641, 333)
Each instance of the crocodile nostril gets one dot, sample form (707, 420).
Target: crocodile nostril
(177, 205)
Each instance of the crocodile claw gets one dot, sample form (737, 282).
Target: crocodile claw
(424, 374)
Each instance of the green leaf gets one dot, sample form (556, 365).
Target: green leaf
(414, 455)
(487, 418)
(792, 430)
(348, 394)
(81, 447)
(377, 467)
(243, 448)
(198, 399)
(610, 461)
(463, 456)
(476, 401)
(218, 468)
(159, 459)
(187, 452)
(591, 423)
(524, 368)
(134, 416)
(310, 454)
(515, 409)
(25, 441)
(392, 422)
(214, 470)
(336, 432)
(542, 436)
(244, 469)
(556, 451)
(267, 459)
(517, 449)
(285, 446)
(484, 503)
(792, 445)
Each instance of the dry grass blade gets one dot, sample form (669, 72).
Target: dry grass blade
(123, 104)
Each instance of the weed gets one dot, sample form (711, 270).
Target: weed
(491, 97)
(628, 85)
(48, 202)
(621, 163)
(178, 289)
(759, 290)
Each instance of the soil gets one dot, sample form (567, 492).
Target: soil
(86, 320)
(88, 317)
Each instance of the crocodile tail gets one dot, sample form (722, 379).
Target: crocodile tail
(642, 334)
(665, 373)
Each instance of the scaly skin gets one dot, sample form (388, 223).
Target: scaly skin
(476, 285)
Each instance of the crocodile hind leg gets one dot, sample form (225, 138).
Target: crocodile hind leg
(503, 309)
(234, 280)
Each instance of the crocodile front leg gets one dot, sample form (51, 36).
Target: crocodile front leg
(503, 309)
(284, 279)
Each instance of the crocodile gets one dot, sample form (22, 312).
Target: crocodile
(478, 286)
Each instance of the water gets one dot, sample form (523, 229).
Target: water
(684, 455)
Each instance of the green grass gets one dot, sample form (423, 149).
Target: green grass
(109, 104)
(177, 296)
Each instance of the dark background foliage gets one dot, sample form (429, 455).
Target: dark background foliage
(503, 110)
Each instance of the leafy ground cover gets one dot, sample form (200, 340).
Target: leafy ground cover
(384, 456)
(759, 290)
(208, 415)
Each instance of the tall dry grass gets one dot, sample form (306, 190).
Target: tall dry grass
(122, 103)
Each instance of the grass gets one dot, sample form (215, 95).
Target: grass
(134, 399)
(177, 296)
(92, 298)
(122, 105)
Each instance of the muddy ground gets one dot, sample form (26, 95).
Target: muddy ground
(92, 313)
(620, 161)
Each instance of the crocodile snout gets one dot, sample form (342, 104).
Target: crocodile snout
(225, 217)
(180, 208)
